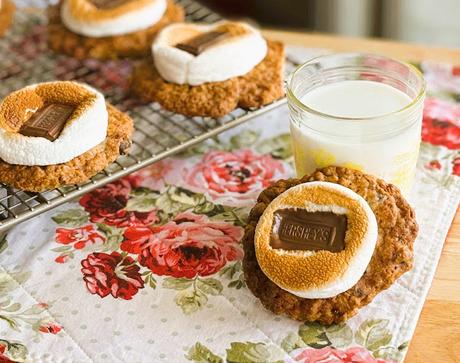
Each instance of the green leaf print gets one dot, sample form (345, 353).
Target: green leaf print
(209, 286)
(314, 335)
(373, 334)
(237, 216)
(12, 308)
(175, 200)
(191, 301)
(390, 353)
(11, 322)
(201, 354)
(279, 147)
(71, 218)
(62, 248)
(231, 270)
(340, 335)
(142, 200)
(149, 279)
(244, 139)
(291, 342)
(177, 283)
(250, 352)
(10, 282)
(114, 236)
(14, 350)
(205, 207)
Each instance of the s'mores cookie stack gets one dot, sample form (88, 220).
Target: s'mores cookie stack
(58, 133)
(322, 247)
(209, 70)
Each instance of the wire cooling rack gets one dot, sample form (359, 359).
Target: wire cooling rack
(24, 60)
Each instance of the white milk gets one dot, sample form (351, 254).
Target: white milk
(378, 146)
(355, 99)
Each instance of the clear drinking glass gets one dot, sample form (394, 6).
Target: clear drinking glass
(386, 145)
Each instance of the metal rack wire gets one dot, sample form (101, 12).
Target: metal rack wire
(25, 60)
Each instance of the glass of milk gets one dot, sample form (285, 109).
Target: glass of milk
(362, 111)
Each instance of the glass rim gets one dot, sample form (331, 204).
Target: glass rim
(292, 97)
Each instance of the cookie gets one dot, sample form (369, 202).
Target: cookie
(134, 44)
(6, 15)
(392, 256)
(94, 135)
(194, 86)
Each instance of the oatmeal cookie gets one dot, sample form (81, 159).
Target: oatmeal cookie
(135, 45)
(79, 169)
(262, 85)
(393, 254)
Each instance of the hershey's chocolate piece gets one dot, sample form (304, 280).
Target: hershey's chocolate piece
(109, 4)
(298, 229)
(198, 44)
(48, 121)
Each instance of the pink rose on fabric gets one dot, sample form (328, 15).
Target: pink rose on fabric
(234, 178)
(166, 171)
(441, 123)
(79, 237)
(188, 246)
(334, 355)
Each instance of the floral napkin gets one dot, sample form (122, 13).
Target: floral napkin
(148, 268)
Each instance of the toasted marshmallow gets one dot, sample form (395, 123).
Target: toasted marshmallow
(84, 129)
(85, 18)
(317, 273)
(232, 57)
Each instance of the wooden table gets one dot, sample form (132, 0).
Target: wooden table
(437, 337)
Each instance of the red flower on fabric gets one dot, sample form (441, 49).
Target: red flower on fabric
(50, 327)
(189, 245)
(79, 237)
(333, 355)
(234, 178)
(4, 358)
(456, 166)
(62, 259)
(107, 205)
(111, 274)
(441, 123)
(434, 165)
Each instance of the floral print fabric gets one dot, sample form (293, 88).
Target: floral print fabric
(148, 268)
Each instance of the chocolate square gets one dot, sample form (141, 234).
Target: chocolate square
(299, 229)
(198, 44)
(48, 121)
